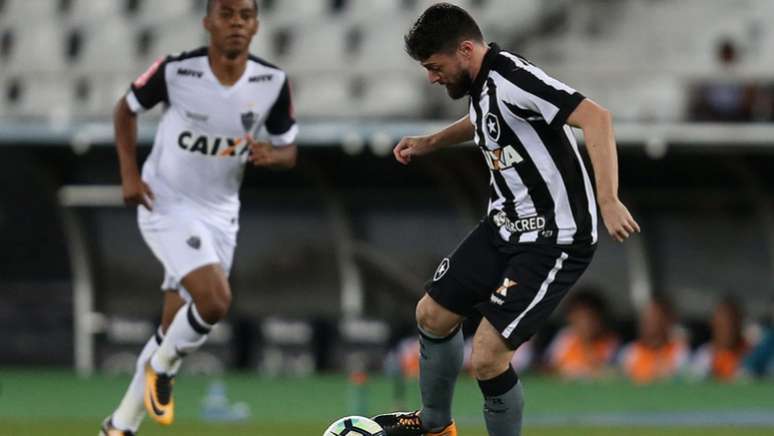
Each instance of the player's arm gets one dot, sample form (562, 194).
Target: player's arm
(146, 92)
(460, 131)
(263, 154)
(134, 190)
(597, 125)
(281, 151)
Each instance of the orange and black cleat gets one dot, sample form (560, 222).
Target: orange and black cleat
(410, 424)
(158, 396)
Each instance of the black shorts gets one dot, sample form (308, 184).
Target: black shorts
(514, 286)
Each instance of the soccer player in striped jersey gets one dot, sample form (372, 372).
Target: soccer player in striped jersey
(540, 231)
(216, 99)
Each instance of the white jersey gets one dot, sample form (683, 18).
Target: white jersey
(199, 152)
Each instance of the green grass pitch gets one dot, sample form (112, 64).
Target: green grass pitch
(47, 402)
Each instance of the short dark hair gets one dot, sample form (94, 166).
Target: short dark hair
(211, 3)
(588, 298)
(440, 29)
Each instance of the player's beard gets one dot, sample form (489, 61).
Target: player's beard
(460, 86)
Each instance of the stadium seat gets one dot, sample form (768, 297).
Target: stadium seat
(358, 10)
(28, 11)
(177, 36)
(263, 43)
(501, 17)
(100, 94)
(297, 11)
(321, 47)
(153, 11)
(36, 48)
(394, 95)
(324, 96)
(382, 49)
(47, 96)
(109, 46)
(84, 11)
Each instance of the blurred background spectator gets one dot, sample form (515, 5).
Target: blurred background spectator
(721, 358)
(585, 348)
(660, 352)
(728, 96)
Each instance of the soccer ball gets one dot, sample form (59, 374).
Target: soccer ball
(354, 426)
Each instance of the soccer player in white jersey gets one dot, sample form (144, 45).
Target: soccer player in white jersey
(216, 99)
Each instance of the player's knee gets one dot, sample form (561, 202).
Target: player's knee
(216, 307)
(430, 320)
(487, 365)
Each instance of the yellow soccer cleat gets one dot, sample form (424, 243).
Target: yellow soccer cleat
(158, 396)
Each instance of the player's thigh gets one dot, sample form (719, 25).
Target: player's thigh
(534, 282)
(181, 243)
(466, 277)
(208, 286)
(491, 354)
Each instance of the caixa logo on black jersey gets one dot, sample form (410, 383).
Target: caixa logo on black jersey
(212, 146)
(502, 158)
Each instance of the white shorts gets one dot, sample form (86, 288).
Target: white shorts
(183, 243)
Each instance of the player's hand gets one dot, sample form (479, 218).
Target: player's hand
(618, 220)
(137, 193)
(411, 146)
(261, 153)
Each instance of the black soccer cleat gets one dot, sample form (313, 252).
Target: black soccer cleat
(409, 424)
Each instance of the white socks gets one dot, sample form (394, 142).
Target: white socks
(187, 333)
(131, 410)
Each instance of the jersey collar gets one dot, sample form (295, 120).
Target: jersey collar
(483, 72)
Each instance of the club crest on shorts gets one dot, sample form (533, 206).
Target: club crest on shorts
(492, 126)
(194, 242)
(442, 268)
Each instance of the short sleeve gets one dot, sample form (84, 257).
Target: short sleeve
(281, 124)
(535, 91)
(149, 89)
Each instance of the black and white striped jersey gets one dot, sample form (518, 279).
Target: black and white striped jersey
(199, 153)
(540, 191)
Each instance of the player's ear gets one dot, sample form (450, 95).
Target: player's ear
(466, 49)
(207, 23)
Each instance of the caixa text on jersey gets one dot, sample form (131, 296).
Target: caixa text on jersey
(212, 146)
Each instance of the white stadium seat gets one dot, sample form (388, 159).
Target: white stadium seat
(28, 11)
(324, 96)
(109, 46)
(37, 48)
(44, 96)
(358, 10)
(396, 95)
(156, 11)
(84, 11)
(382, 49)
(181, 35)
(297, 11)
(318, 47)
